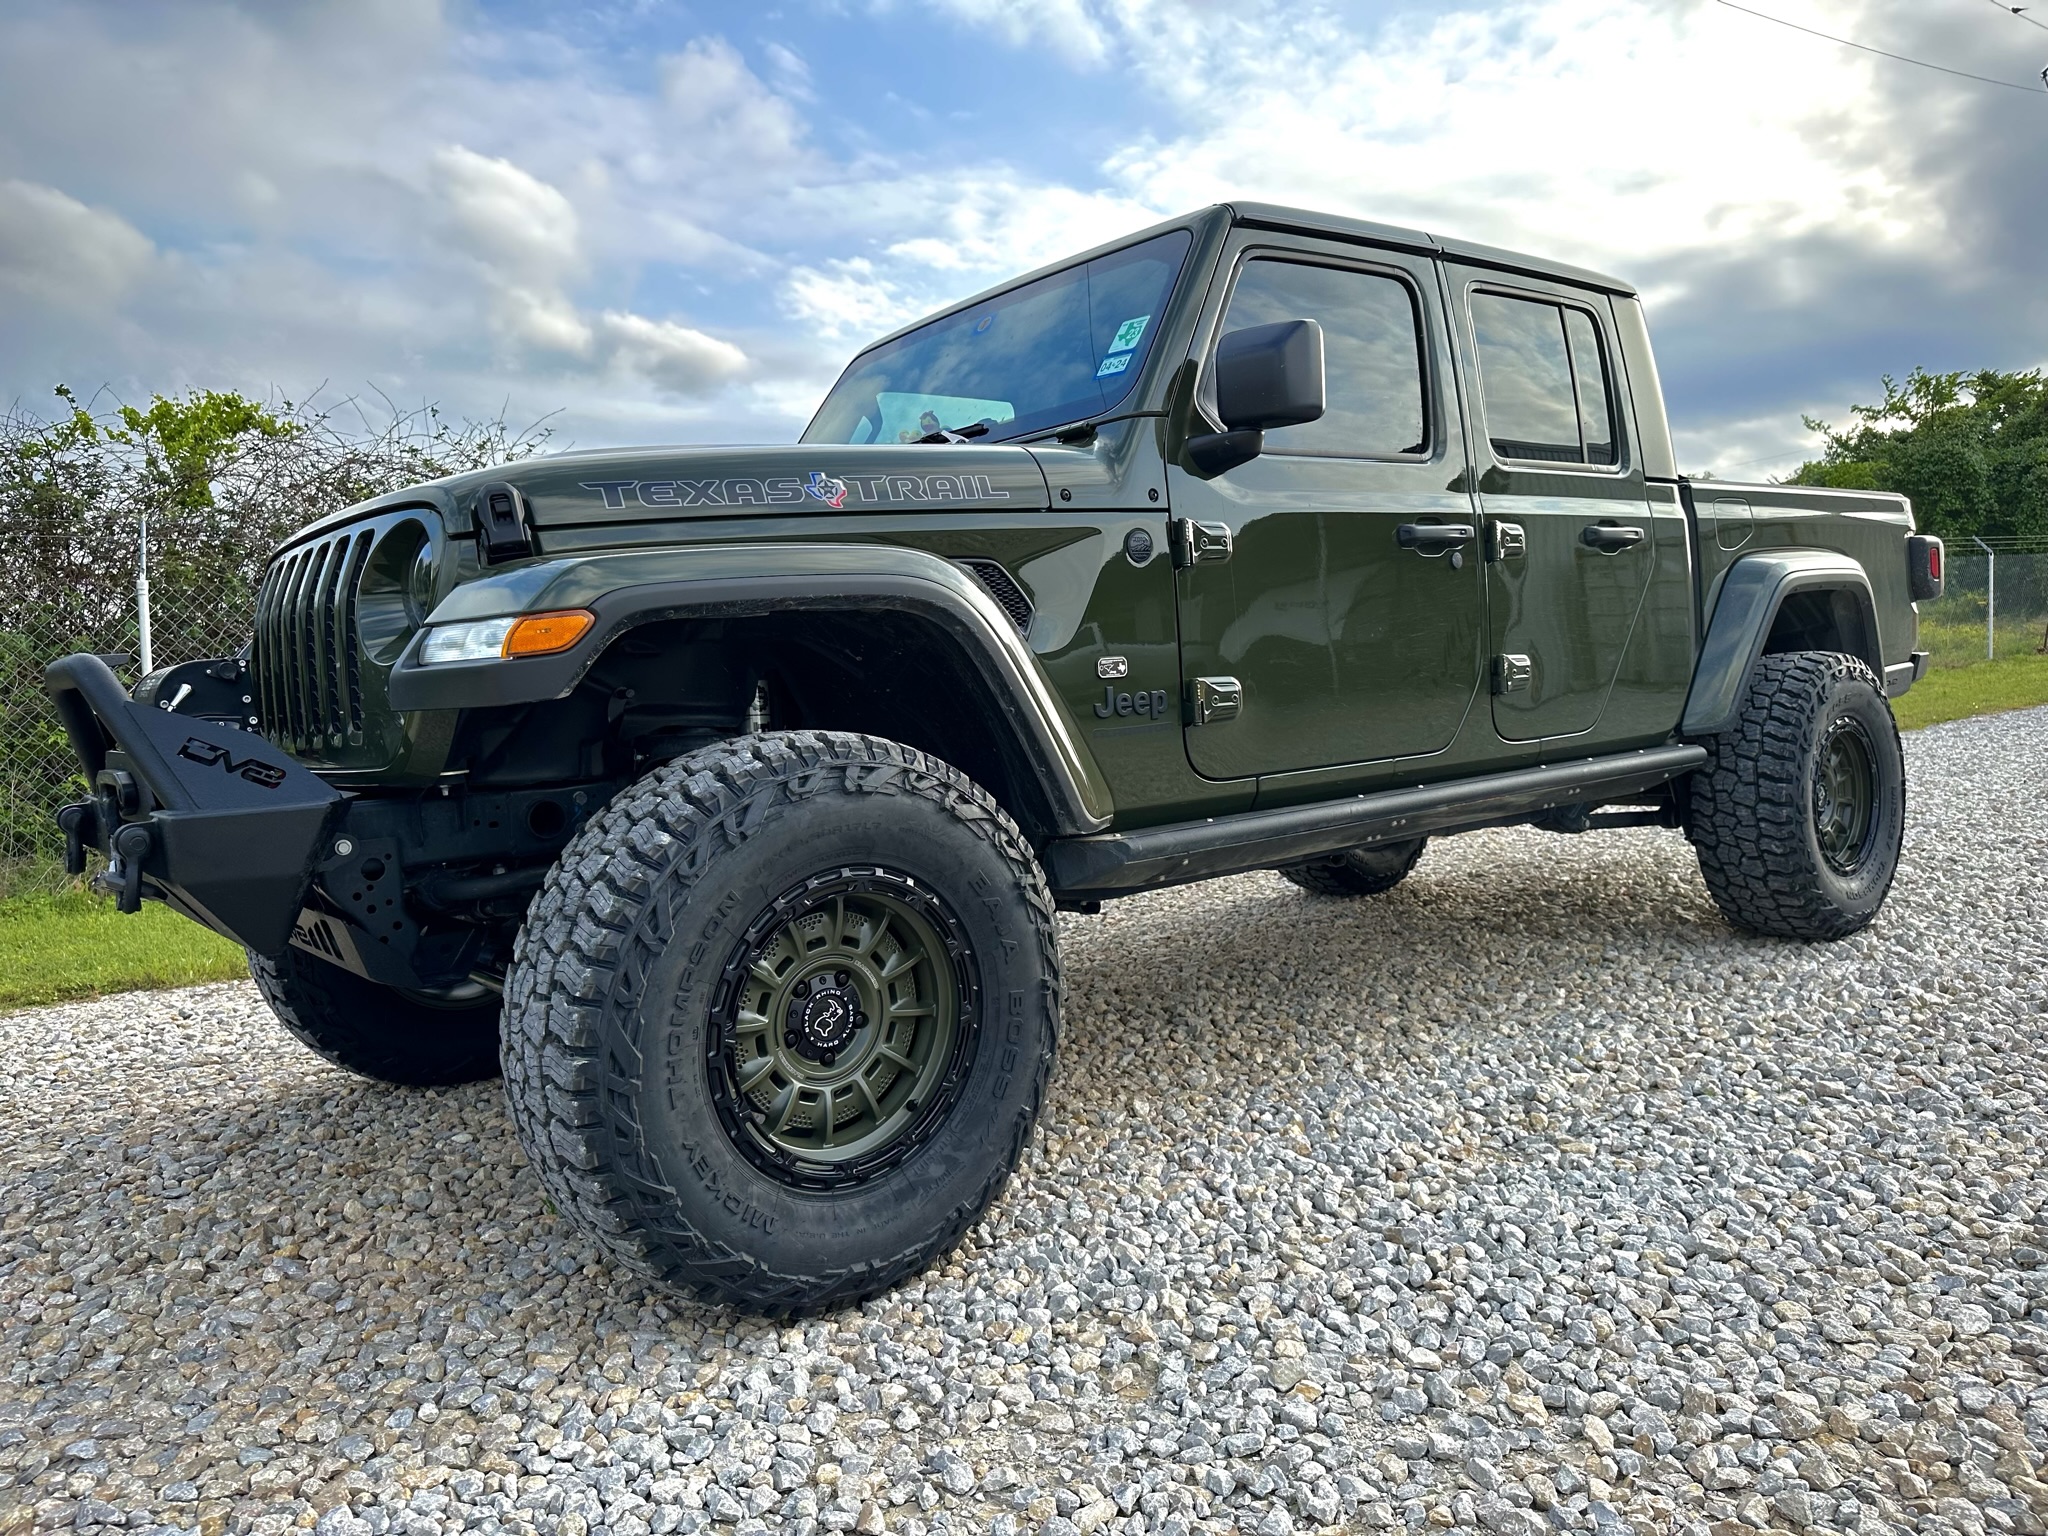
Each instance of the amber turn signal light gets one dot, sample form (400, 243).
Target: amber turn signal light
(543, 634)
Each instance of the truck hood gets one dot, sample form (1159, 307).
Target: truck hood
(779, 480)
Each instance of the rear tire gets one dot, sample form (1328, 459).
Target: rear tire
(780, 1020)
(377, 1031)
(1799, 814)
(1357, 871)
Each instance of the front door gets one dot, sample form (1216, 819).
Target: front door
(1351, 640)
(1569, 535)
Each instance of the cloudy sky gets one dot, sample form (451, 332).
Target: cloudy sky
(672, 221)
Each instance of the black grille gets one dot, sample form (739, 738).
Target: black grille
(1002, 586)
(307, 656)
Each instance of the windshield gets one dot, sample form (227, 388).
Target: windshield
(1064, 347)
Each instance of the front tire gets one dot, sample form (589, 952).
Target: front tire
(780, 1021)
(377, 1031)
(1799, 815)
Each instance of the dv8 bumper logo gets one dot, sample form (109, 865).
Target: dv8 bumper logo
(250, 769)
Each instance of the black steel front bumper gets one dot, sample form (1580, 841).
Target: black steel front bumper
(211, 820)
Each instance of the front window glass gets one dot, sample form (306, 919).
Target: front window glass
(1065, 347)
(1372, 354)
(1542, 381)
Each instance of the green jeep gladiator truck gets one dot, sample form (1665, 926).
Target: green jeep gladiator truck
(726, 796)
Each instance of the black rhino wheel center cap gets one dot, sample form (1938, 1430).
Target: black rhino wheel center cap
(823, 1018)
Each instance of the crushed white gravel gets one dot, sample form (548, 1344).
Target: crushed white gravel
(1528, 1196)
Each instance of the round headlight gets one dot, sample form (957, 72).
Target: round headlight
(419, 584)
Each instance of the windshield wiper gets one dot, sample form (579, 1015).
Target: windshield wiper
(973, 429)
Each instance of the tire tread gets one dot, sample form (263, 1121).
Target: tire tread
(577, 948)
(1747, 810)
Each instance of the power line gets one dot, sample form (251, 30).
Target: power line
(2021, 12)
(1961, 74)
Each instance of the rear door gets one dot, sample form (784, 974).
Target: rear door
(1570, 542)
(1349, 647)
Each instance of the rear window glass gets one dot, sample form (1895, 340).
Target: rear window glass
(1543, 381)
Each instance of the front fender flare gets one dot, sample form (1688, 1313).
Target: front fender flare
(731, 580)
(1752, 592)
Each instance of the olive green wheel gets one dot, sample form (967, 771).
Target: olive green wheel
(779, 1022)
(1357, 871)
(840, 1028)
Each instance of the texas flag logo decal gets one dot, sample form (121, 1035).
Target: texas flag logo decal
(826, 489)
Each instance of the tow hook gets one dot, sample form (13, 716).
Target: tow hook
(122, 879)
(80, 824)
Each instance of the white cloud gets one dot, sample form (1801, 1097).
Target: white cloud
(1071, 29)
(677, 359)
(850, 301)
(55, 249)
(510, 218)
(726, 118)
(1536, 124)
(524, 234)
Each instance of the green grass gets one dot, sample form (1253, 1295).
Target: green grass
(1987, 688)
(1961, 643)
(54, 947)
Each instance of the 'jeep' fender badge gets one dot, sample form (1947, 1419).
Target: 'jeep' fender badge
(1138, 703)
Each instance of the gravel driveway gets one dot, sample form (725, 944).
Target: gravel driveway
(1527, 1196)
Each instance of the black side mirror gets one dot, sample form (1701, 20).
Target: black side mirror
(1267, 376)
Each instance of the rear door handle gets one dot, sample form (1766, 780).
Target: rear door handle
(1609, 538)
(1433, 538)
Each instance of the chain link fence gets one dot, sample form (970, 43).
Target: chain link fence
(73, 500)
(1994, 604)
(197, 610)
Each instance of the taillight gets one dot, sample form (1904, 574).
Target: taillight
(1923, 567)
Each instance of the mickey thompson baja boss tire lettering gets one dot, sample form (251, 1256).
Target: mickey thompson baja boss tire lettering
(1799, 815)
(785, 859)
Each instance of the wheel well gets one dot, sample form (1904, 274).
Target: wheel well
(1829, 619)
(666, 688)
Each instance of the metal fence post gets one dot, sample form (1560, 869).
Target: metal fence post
(1990, 598)
(142, 593)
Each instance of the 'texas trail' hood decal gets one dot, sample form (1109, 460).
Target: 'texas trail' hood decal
(790, 490)
(782, 481)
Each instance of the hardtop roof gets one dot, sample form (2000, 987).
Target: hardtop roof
(1300, 221)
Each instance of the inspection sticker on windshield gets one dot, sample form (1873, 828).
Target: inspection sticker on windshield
(1128, 333)
(1114, 364)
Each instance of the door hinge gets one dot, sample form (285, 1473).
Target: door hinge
(1211, 699)
(1506, 541)
(1511, 674)
(1199, 543)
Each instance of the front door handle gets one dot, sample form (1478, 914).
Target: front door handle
(1433, 538)
(1609, 538)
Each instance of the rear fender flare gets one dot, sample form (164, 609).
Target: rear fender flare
(1752, 593)
(632, 588)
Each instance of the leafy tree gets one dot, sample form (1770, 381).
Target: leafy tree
(1970, 449)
